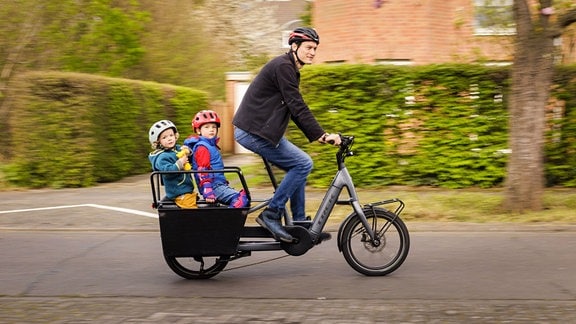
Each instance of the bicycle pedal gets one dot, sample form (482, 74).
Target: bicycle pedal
(324, 236)
(242, 254)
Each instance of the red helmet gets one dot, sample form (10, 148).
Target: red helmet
(204, 117)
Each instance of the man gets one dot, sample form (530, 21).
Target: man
(271, 100)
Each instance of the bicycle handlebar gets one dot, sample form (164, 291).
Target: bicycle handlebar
(346, 141)
(345, 149)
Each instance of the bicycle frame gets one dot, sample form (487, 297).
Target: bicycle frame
(341, 180)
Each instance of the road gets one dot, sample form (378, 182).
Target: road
(94, 255)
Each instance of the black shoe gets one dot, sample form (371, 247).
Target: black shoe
(270, 220)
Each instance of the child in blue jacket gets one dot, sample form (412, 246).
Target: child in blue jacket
(178, 186)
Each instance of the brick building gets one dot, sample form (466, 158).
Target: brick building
(417, 32)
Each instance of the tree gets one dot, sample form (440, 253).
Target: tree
(92, 36)
(247, 28)
(98, 36)
(537, 25)
(178, 51)
(194, 43)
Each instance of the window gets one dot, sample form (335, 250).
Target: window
(493, 17)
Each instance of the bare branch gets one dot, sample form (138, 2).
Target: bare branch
(567, 18)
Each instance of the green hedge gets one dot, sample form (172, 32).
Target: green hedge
(75, 130)
(561, 137)
(438, 125)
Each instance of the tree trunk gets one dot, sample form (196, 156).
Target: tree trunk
(531, 81)
(27, 34)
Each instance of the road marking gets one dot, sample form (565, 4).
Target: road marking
(118, 209)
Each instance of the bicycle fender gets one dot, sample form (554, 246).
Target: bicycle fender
(341, 228)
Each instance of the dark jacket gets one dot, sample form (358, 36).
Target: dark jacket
(272, 99)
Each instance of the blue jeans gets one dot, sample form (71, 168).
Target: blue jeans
(224, 193)
(288, 157)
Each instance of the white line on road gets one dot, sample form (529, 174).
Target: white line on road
(118, 209)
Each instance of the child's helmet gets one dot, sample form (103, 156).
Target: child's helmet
(158, 128)
(204, 117)
(303, 34)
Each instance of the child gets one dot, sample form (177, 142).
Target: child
(179, 187)
(206, 156)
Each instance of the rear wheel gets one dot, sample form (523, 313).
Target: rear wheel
(197, 267)
(381, 256)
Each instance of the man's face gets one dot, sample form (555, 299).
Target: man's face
(306, 51)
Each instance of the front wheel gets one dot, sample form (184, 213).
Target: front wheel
(197, 267)
(381, 256)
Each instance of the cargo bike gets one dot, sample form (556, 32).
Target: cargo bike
(199, 243)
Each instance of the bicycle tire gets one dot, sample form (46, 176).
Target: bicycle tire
(195, 267)
(371, 259)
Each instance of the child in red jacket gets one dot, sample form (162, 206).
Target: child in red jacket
(206, 156)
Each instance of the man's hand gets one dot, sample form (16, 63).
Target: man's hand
(333, 139)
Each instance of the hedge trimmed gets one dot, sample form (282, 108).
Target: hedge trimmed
(437, 125)
(76, 130)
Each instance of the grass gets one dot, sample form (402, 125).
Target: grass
(478, 206)
(425, 204)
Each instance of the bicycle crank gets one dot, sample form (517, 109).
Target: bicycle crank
(303, 241)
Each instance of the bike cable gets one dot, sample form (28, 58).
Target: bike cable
(256, 263)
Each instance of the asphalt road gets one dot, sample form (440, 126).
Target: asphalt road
(94, 256)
